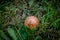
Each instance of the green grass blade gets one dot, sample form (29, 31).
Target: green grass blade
(12, 33)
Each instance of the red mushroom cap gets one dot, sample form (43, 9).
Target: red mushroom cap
(31, 22)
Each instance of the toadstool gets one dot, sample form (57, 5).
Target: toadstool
(31, 22)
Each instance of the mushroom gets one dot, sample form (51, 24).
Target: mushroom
(31, 22)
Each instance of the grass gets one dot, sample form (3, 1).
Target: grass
(13, 14)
